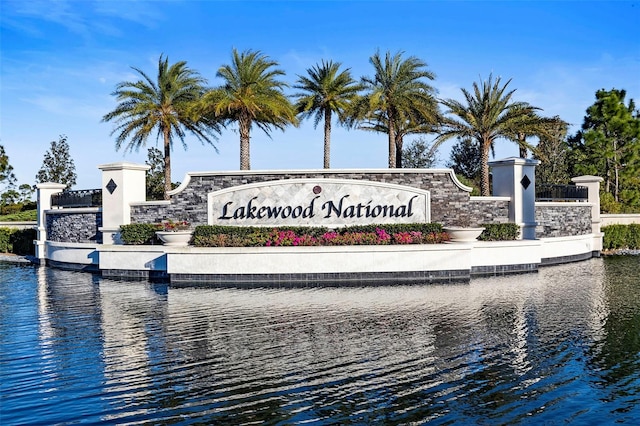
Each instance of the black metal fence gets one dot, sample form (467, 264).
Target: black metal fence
(561, 193)
(81, 198)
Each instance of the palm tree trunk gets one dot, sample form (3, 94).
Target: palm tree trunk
(522, 139)
(484, 179)
(399, 143)
(167, 161)
(244, 124)
(392, 143)
(327, 138)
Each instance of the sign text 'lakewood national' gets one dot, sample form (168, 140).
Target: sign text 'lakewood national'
(318, 202)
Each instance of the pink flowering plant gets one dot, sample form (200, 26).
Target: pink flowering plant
(221, 236)
(170, 225)
(289, 238)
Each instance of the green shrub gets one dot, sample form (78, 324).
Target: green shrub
(608, 204)
(23, 216)
(139, 233)
(621, 237)
(22, 241)
(5, 244)
(473, 183)
(18, 241)
(425, 228)
(499, 232)
(634, 236)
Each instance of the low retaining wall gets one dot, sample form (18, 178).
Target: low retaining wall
(329, 265)
(560, 219)
(75, 256)
(619, 219)
(18, 225)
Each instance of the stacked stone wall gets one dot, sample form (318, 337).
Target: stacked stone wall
(74, 227)
(449, 203)
(488, 211)
(562, 219)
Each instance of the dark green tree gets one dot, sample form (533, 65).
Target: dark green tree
(164, 105)
(6, 170)
(487, 114)
(58, 165)
(608, 145)
(10, 202)
(26, 192)
(397, 99)
(465, 159)
(155, 175)
(325, 91)
(252, 94)
(420, 154)
(10, 196)
(552, 151)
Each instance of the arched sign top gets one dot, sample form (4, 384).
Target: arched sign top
(318, 202)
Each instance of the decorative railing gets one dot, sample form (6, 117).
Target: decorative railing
(561, 193)
(81, 198)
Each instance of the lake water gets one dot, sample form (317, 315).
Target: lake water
(558, 347)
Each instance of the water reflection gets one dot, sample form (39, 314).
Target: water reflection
(562, 344)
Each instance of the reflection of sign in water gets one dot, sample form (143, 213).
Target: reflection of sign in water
(325, 202)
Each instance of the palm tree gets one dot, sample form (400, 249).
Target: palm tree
(326, 90)
(397, 95)
(251, 94)
(405, 127)
(532, 125)
(489, 114)
(164, 105)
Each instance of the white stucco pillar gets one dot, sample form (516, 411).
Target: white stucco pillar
(515, 178)
(122, 183)
(593, 187)
(44, 192)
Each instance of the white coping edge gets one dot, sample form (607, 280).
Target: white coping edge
(19, 225)
(124, 165)
(74, 210)
(189, 175)
(319, 259)
(619, 219)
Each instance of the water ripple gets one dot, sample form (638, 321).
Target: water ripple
(558, 346)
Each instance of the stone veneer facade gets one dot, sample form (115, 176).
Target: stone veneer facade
(449, 202)
(562, 219)
(74, 226)
(484, 210)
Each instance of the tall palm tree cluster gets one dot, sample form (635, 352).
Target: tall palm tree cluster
(397, 100)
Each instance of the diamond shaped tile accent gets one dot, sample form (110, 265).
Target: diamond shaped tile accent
(525, 182)
(111, 186)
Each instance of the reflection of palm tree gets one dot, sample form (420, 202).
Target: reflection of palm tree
(164, 105)
(489, 114)
(398, 97)
(325, 91)
(251, 94)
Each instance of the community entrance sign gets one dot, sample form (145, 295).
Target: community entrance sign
(318, 202)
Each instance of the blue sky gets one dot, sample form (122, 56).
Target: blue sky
(60, 60)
